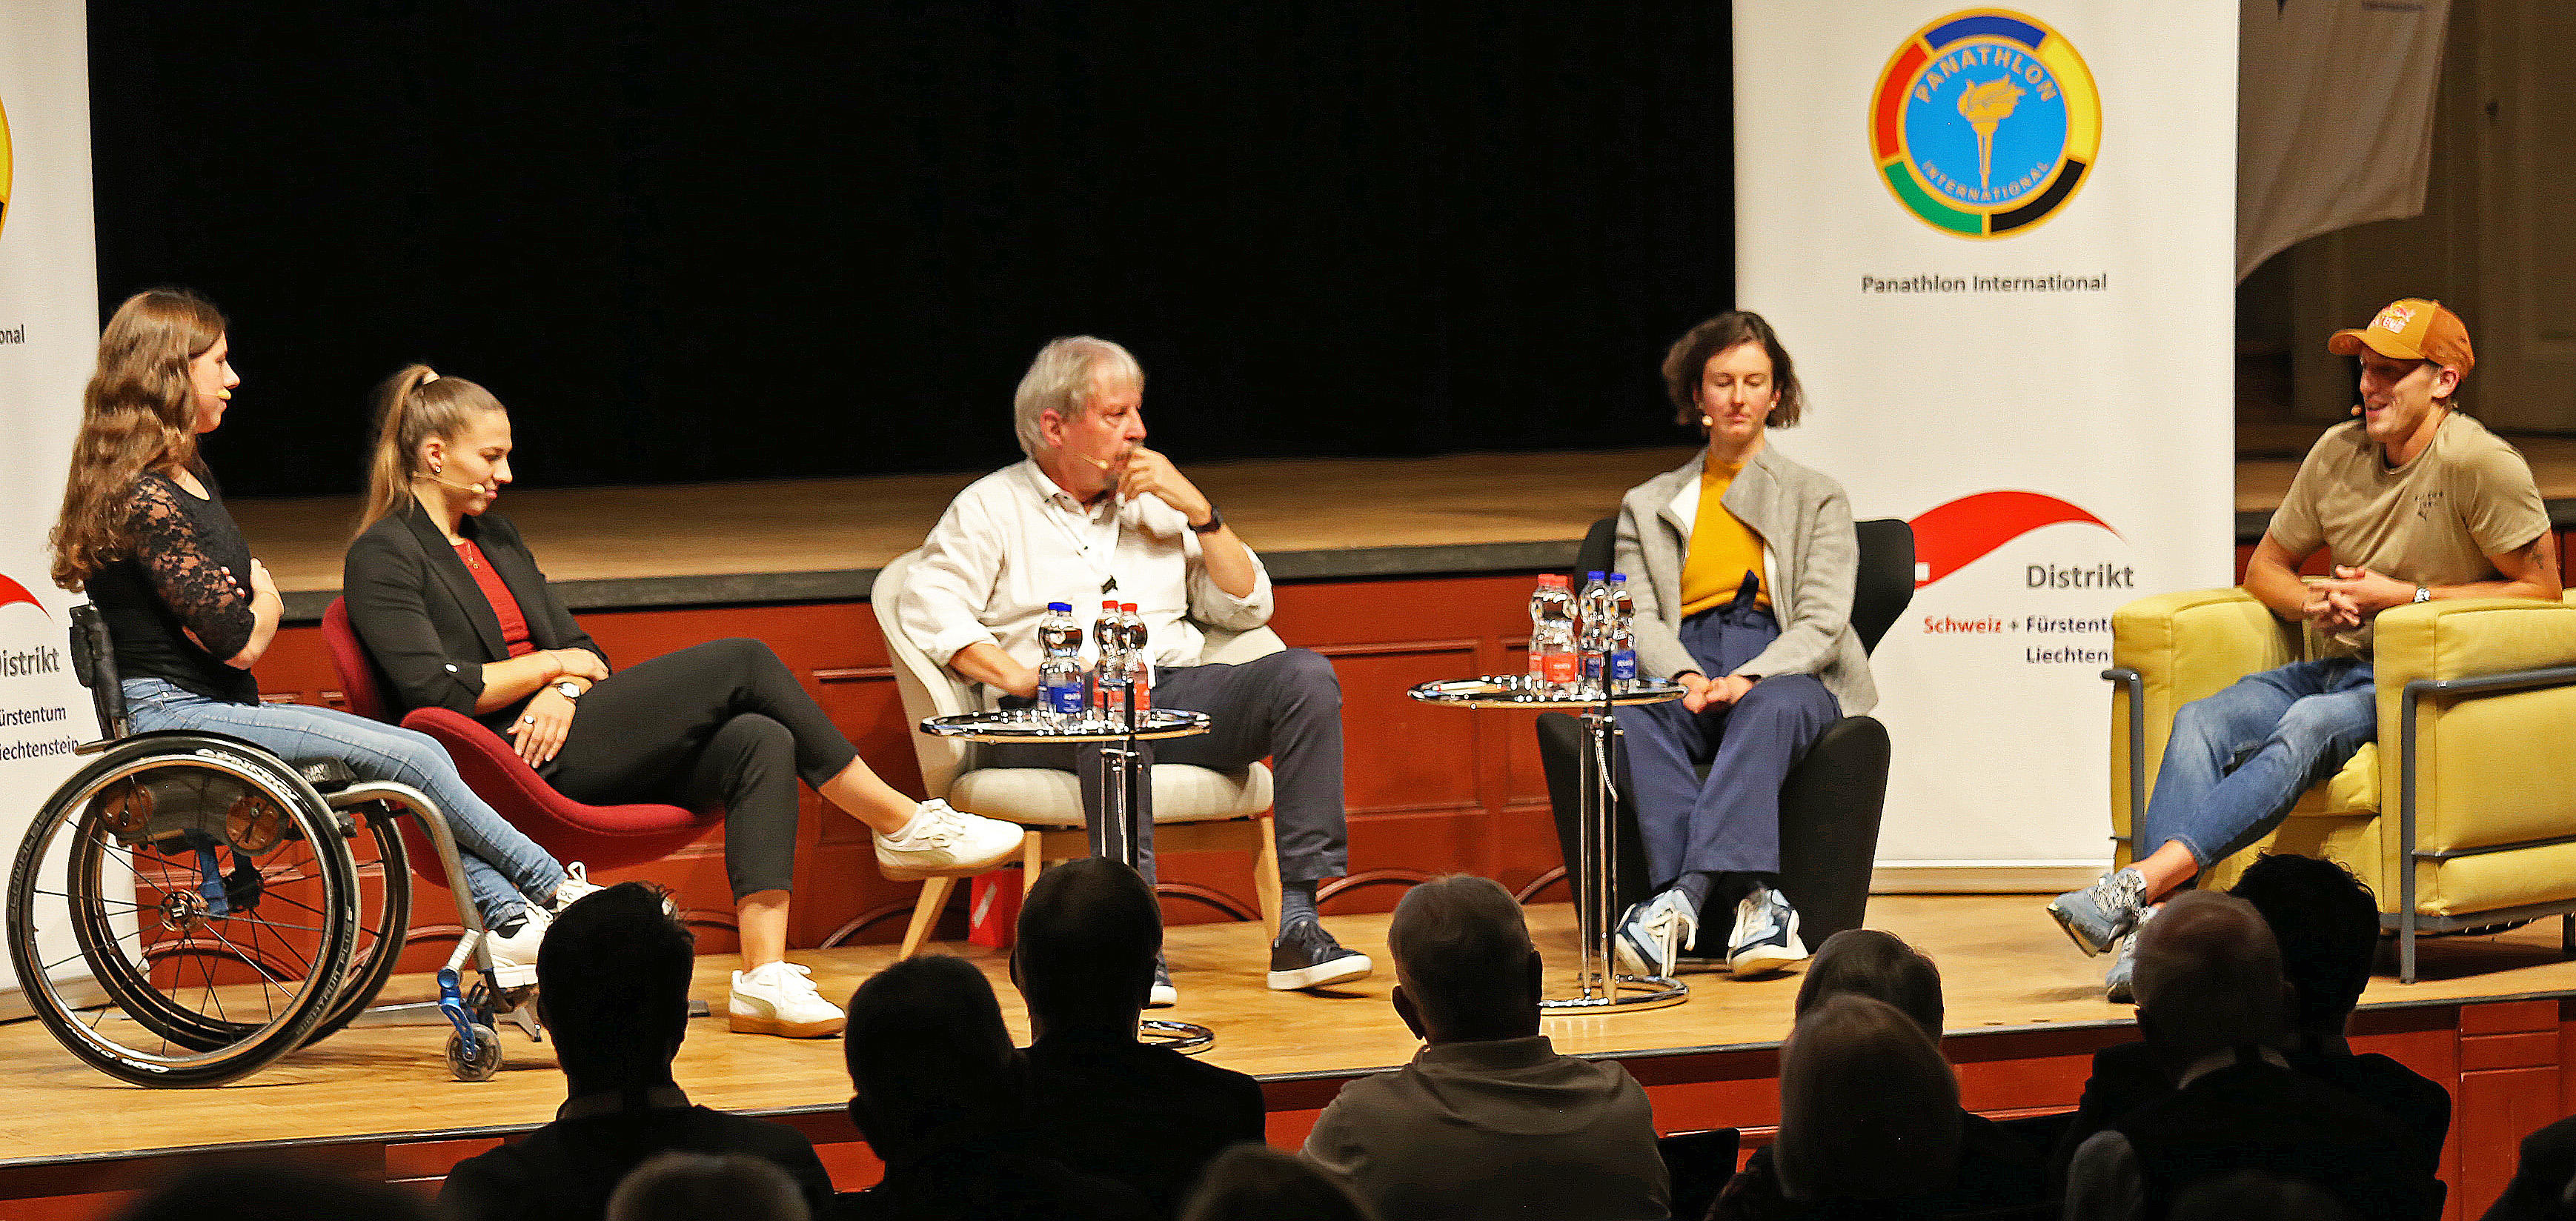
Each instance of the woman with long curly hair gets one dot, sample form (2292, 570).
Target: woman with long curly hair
(144, 531)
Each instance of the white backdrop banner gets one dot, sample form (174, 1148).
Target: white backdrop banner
(48, 341)
(2000, 245)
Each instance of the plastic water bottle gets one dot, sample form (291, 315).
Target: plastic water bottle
(1061, 694)
(1593, 613)
(1623, 636)
(1553, 670)
(1112, 677)
(1140, 659)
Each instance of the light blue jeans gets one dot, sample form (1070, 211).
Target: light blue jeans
(2238, 760)
(503, 868)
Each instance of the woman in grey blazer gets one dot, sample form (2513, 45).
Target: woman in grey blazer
(1748, 561)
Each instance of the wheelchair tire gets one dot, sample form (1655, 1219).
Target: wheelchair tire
(114, 872)
(384, 919)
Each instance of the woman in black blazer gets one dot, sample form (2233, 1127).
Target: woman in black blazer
(455, 613)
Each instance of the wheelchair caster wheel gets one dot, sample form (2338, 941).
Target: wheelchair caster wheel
(486, 1060)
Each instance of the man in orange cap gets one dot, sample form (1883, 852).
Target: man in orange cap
(2415, 501)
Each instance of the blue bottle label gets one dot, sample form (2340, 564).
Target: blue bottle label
(1065, 698)
(1623, 666)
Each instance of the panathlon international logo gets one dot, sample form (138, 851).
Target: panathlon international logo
(1985, 123)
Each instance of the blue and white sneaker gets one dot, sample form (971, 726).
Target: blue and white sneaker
(1766, 935)
(1163, 995)
(2097, 915)
(1651, 935)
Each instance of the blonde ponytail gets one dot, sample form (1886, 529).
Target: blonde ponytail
(412, 406)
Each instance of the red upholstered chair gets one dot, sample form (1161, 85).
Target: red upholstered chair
(602, 837)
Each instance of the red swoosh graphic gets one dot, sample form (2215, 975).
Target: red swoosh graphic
(1950, 537)
(12, 593)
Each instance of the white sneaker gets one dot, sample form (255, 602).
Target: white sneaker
(779, 998)
(514, 958)
(576, 883)
(941, 840)
(1766, 934)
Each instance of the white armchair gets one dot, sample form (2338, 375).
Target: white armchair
(1195, 808)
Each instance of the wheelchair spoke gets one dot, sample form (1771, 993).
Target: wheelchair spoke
(129, 906)
(246, 955)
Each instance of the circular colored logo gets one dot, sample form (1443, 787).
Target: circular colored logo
(8, 164)
(1985, 123)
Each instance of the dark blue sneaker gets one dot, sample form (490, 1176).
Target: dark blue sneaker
(1305, 956)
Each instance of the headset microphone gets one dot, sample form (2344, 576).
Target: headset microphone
(476, 488)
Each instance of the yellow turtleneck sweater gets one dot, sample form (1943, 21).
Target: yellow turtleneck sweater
(1722, 548)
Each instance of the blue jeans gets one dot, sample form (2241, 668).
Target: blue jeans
(2238, 760)
(503, 868)
(1730, 822)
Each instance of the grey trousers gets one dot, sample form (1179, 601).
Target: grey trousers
(1286, 706)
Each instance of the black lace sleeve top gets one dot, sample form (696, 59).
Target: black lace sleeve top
(179, 604)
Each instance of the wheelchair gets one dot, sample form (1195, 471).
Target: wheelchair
(221, 902)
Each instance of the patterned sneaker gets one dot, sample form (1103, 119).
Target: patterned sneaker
(576, 883)
(1766, 934)
(1651, 936)
(514, 954)
(779, 998)
(2095, 916)
(1163, 995)
(2117, 986)
(942, 840)
(1305, 956)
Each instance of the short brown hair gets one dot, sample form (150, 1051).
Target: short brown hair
(1690, 354)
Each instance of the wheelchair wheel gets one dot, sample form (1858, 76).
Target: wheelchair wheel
(383, 913)
(207, 890)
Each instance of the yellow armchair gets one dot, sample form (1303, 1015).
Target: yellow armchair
(2460, 815)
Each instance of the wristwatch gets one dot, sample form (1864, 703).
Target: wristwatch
(2423, 594)
(568, 689)
(1215, 522)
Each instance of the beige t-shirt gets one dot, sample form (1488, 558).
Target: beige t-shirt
(2433, 521)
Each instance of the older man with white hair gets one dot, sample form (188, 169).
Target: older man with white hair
(1094, 513)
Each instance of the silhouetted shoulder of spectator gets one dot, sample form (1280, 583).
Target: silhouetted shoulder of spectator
(2409, 1097)
(2125, 1076)
(2544, 1182)
(1146, 1116)
(983, 1175)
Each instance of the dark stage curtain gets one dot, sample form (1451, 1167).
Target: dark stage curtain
(695, 241)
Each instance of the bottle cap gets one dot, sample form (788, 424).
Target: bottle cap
(1127, 607)
(1591, 576)
(1618, 578)
(1551, 580)
(1061, 608)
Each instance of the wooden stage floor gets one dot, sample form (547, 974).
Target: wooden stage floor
(2006, 968)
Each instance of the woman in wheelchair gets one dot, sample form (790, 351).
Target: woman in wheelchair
(1749, 562)
(455, 613)
(189, 611)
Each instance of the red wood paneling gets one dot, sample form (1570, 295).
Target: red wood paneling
(1431, 790)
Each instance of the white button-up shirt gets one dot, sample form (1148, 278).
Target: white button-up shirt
(1013, 541)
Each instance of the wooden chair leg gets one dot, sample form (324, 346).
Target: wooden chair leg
(925, 914)
(1032, 859)
(1265, 874)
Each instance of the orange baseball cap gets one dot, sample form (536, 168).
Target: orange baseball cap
(2411, 329)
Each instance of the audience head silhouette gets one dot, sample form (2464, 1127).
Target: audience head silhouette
(2252, 1193)
(2326, 923)
(613, 985)
(1867, 962)
(1088, 935)
(927, 1050)
(688, 1186)
(257, 1189)
(2208, 978)
(1259, 1183)
(1464, 968)
(1868, 1108)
